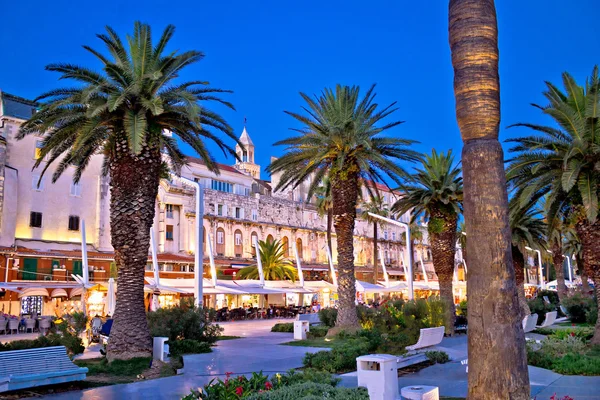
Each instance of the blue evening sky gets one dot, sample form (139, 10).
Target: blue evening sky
(268, 51)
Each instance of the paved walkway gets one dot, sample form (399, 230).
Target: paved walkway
(257, 350)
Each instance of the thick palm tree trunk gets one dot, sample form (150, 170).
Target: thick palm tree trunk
(585, 285)
(557, 260)
(345, 195)
(443, 249)
(329, 223)
(496, 343)
(589, 234)
(375, 253)
(519, 264)
(134, 187)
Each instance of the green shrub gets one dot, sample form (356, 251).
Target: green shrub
(551, 295)
(591, 317)
(317, 332)
(540, 307)
(73, 343)
(183, 322)
(396, 343)
(188, 346)
(287, 327)
(578, 306)
(340, 358)
(328, 316)
(575, 364)
(312, 391)
(438, 357)
(293, 377)
(461, 309)
(565, 354)
(582, 333)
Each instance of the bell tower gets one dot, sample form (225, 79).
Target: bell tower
(246, 155)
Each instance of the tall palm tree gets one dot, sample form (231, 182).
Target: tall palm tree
(276, 266)
(556, 239)
(496, 347)
(435, 192)
(560, 164)
(572, 247)
(527, 230)
(324, 206)
(378, 207)
(121, 113)
(341, 138)
(416, 237)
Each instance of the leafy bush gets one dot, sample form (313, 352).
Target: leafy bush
(578, 306)
(188, 346)
(581, 333)
(312, 391)
(132, 367)
(461, 309)
(551, 295)
(287, 327)
(568, 355)
(540, 307)
(183, 322)
(591, 317)
(73, 343)
(438, 357)
(317, 332)
(293, 377)
(328, 316)
(341, 358)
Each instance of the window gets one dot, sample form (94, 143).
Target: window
(385, 235)
(246, 192)
(73, 223)
(221, 186)
(169, 232)
(245, 156)
(238, 238)
(393, 235)
(36, 183)
(238, 212)
(75, 189)
(169, 209)
(167, 267)
(35, 219)
(220, 237)
(220, 209)
(38, 149)
(254, 215)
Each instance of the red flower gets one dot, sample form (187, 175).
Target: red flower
(241, 378)
(572, 333)
(268, 385)
(228, 374)
(239, 390)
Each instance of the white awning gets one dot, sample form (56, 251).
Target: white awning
(76, 292)
(34, 292)
(59, 293)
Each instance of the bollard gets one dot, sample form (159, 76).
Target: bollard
(300, 329)
(419, 392)
(379, 374)
(160, 348)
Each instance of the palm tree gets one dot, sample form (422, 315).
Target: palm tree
(560, 163)
(121, 113)
(324, 206)
(555, 239)
(416, 236)
(527, 230)
(276, 266)
(572, 247)
(500, 367)
(435, 192)
(377, 207)
(340, 139)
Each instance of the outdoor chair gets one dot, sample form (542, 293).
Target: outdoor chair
(45, 324)
(13, 325)
(30, 324)
(549, 319)
(3, 325)
(428, 337)
(20, 369)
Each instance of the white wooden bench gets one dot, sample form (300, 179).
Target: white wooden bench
(21, 369)
(529, 322)
(466, 362)
(428, 337)
(549, 319)
(312, 319)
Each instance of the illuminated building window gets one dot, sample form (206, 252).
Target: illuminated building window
(169, 232)
(38, 149)
(35, 219)
(73, 223)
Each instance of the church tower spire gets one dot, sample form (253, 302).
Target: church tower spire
(246, 155)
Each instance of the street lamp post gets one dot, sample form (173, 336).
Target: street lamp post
(539, 253)
(409, 280)
(569, 266)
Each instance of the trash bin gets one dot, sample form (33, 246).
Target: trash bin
(160, 348)
(379, 374)
(300, 329)
(420, 393)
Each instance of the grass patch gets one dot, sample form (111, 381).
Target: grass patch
(122, 368)
(225, 337)
(579, 324)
